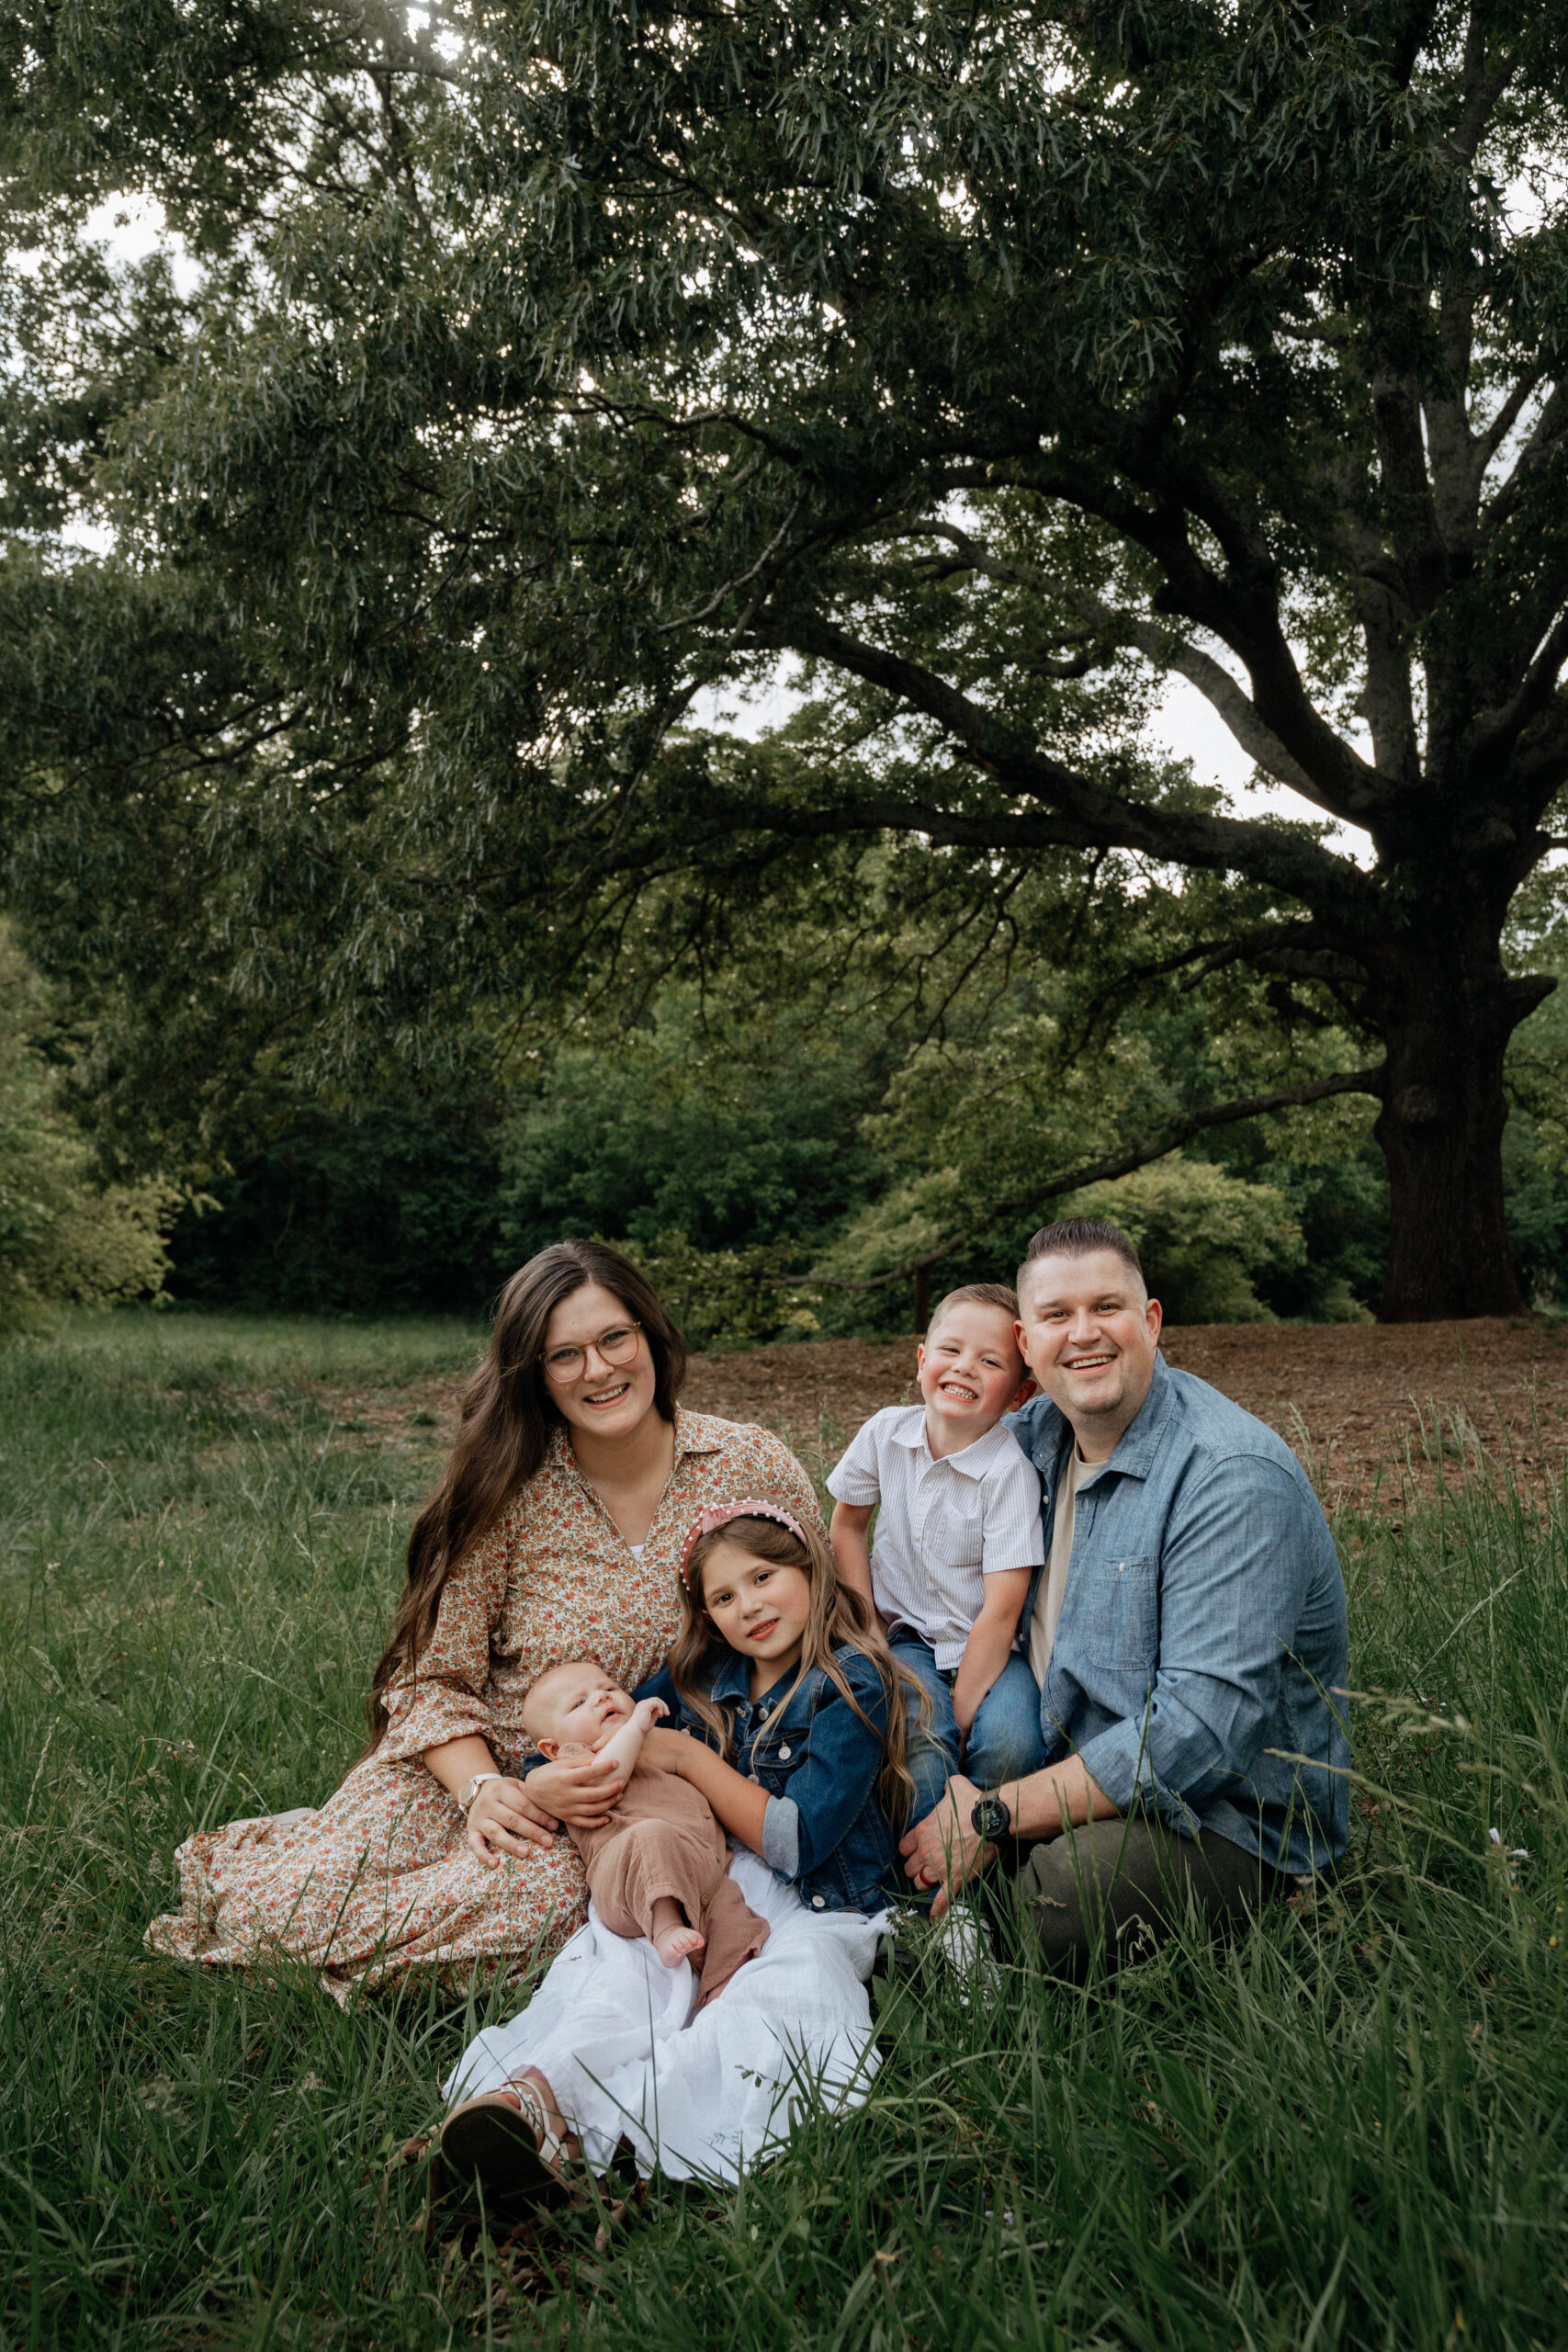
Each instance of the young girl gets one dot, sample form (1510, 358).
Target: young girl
(787, 1715)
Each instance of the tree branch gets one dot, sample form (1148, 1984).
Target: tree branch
(1163, 647)
(1497, 732)
(1508, 417)
(1087, 817)
(1241, 609)
(1123, 1163)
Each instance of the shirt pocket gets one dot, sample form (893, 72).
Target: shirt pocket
(952, 1534)
(778, 1753)
(1119, 1625)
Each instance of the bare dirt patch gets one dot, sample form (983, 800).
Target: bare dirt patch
(1374, 1411)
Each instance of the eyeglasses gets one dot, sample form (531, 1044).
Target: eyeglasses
(618, 1345)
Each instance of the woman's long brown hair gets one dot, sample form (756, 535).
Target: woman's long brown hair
(505, 1432)
(838, 1619)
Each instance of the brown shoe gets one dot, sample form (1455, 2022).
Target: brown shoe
(502, 2143)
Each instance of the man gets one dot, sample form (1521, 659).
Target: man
(1188, 1632)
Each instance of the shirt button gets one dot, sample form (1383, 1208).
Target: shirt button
(818, 1903)
(784, 1755)
(751, 1776)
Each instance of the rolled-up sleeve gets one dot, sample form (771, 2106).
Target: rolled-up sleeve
(443, 1696)
(780, 1836)
(1234, 1573)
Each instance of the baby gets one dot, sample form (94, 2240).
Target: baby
(958, 1541)
(659, 1868)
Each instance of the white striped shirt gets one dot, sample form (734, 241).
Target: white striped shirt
(945, 1525)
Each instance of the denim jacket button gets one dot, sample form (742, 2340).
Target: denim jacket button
(818, 1903)
(783, 1753)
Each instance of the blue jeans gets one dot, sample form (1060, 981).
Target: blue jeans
(1004, 1741)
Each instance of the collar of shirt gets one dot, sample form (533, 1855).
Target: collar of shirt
(972, 1462)
(1044, 1432)
(729, 1674)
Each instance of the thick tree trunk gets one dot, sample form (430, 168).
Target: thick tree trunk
(1446, 1016)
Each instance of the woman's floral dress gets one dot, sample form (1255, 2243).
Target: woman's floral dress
(381, 1879)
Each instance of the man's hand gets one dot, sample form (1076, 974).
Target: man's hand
(580, 1796)
(944, 1851)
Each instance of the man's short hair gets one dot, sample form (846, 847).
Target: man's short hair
(976, 1295)
(1080, 1236)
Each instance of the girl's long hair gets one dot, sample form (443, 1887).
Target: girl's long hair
(838, 1619)
(505, 1432)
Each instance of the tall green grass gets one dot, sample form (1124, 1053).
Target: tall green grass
(1349, 2127)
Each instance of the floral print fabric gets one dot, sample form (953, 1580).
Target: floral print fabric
(381, 1879)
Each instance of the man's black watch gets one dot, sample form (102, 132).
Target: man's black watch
(992, 1817)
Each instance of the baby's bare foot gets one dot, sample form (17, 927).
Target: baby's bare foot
(677, 1944)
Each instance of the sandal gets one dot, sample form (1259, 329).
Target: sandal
(503, 2141)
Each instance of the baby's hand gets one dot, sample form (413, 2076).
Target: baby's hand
(649, 1711)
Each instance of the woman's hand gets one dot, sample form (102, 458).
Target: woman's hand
(580, 1795)
(507, 1818)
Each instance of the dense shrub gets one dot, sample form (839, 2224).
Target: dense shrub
(64, 1238)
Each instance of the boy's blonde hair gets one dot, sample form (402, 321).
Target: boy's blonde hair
(998, 1294)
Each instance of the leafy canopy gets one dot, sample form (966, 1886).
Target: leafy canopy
(521, 379)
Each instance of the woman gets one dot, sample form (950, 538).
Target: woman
(554, 1533)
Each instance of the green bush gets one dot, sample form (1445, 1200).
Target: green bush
(1206, 1237)
(387, 1205)
(64, 1238)
(733, 1299)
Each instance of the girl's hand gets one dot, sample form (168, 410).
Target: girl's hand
(671, 1751)
(580, 1796)
(506, 1818)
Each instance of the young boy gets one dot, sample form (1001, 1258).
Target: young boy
(958, 1539)
(661, 1866)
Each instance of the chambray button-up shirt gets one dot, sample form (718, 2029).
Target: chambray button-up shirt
(1202, 1646)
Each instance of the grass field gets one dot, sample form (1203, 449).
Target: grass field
(1349, 2128)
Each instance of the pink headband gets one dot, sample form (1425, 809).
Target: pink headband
(720, 1515)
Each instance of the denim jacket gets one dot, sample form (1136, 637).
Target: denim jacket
(824, 1829)
(1201, 1645)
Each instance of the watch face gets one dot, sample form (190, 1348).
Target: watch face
(991, 1818)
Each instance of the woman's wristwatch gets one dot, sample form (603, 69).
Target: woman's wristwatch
(992, 1817)
(472, 1786)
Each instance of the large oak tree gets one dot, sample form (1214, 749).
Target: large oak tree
(528, 375)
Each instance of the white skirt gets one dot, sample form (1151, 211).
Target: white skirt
(702, 2097)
